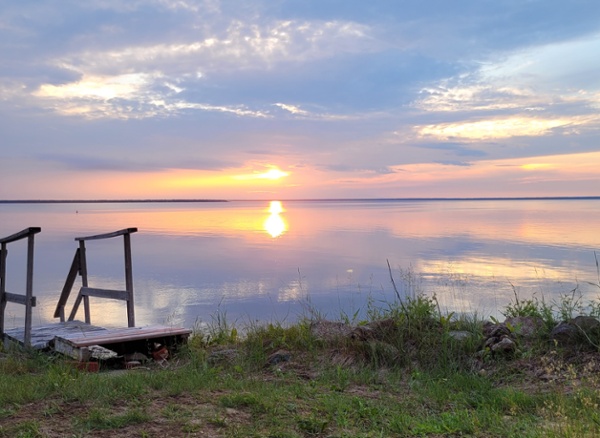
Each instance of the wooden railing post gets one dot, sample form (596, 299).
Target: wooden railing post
(64, 295)
(79, 266)
(28, 300)
(129, 280)
(84, 280)
(29, 291)
(3, 253)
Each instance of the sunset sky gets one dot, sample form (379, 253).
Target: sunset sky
(287, 99)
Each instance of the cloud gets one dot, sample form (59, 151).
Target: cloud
(533, 79)
(97, 87)
(494, 128)
(242, 45)
(292, 109)
(336, 91)
(157, 80)
(128, 96)
(460, 149)
(88, 162)
(364, 169)
(455, 163)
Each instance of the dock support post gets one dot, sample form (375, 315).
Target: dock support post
(28, 300)
(29, 292)
(129, 280)
(3, 253)
(79, 266)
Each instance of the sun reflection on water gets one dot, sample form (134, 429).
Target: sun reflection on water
(275, 225)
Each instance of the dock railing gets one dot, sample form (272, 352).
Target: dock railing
(28, 300)
(79, 266)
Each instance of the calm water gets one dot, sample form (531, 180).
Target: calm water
(257, 261)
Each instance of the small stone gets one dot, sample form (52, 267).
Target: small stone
(526, 326)
(460, 335)
(564, 334)
(278, 357)
(506, 345)
(330, 330)
(498, 331)
(586, 323)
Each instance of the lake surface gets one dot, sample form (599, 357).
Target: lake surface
(261, 261)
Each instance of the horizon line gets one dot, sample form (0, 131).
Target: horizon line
(203, 200)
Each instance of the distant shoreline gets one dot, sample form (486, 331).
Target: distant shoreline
(132, 201)
(100, 201)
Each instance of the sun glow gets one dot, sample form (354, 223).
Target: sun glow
(276, 207)
(273, 173)
(275, 225)
(536, 166)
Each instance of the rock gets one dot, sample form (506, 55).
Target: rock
(504, 346)
(576, 332)
(278, 357)
(487, 328)
(498, 331)
(330, 330)
(499, 339)
(526, 326)
(564, 334)
(380, 330)
(588, 324)
(460, 335)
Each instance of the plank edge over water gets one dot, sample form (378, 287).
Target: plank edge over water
(110, 336)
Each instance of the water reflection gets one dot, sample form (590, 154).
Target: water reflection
(194, 258)
(275, 225)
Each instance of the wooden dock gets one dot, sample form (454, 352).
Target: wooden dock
(81, 341)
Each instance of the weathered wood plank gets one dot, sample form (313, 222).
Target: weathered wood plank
(78, 334)
(105, 293)
(3, 255)
(29, 289)
(109, 336)
(70, 281)
(108, 235)
(83, 354)
(129, 280)
(19, 299)
(21, 234)
(41, 336)
(75, 307)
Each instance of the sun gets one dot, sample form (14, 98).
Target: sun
(273, 174)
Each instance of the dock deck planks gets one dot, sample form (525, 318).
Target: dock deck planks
(72, 337)
(42, 336)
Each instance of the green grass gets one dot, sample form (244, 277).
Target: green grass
(337, 401)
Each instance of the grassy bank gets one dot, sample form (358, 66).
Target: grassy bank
(408, 370)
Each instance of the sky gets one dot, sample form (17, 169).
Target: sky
(294, 99)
